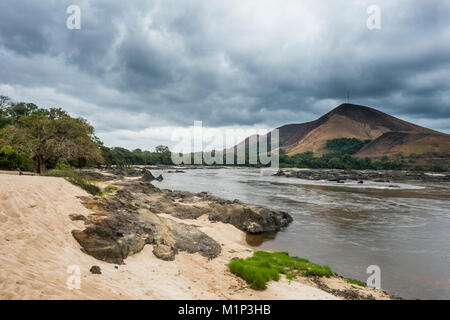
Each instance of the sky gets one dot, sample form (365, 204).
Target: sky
(141, 70)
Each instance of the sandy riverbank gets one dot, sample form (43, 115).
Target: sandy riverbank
(37, 248)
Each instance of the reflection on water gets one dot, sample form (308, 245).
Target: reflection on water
(403, 229)
(255, 240)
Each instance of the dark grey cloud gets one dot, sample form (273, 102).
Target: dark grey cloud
(165, 63)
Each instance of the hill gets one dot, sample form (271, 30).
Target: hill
(389, 135)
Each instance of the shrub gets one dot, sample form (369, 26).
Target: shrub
(76, 179)
(437, 167)
(62, 164)
(111, 187)
(264, 266)
(357, 282)
(342, 146)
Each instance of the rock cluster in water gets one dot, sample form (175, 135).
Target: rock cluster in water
(148, 176)
(372, 175)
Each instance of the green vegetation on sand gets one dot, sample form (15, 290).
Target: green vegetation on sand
(357, 282)
(264, 266)
(76, 179)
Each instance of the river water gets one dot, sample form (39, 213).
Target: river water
(405, 230)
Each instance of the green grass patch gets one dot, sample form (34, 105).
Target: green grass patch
(357, 282)
(76, 179)
(264, 266)
(110, 188)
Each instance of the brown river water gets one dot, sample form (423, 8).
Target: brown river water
(405, 230)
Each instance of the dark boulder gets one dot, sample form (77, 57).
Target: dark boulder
(77, 217)
(147, 175)
(188, 238)
(164, 252)
(280, 173)
(95, 270)
(252, 219)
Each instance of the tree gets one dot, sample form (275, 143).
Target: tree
(164, 154)
(336, 163)
(5, 104)
(16, 110)
(343, 146)
(51, 133)
(162, 149)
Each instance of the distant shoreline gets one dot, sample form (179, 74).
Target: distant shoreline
(322, 173)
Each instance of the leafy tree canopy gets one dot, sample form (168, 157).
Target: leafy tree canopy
(48, 133)
(342, 146)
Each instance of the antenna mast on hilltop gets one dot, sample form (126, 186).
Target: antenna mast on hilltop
(348, 96)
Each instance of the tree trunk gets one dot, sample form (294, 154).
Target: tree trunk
(41, 167)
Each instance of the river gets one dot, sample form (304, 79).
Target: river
(405, 230)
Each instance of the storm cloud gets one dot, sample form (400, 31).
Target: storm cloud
(138, 69)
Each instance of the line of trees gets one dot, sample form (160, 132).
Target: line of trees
(121, 156)
(33, 138)
(340, 156)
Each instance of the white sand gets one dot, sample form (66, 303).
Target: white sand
(37, 248)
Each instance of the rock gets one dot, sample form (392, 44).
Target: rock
(95, 270)
(102, 244)
(164, 252)
(188, 238)
(77, 217)
(147, 175)
(124, 225)
(94, 175)
(159, 178)
(188, 212)
(280, 173)
(248, 218)
(252, 219)
(372, 175)
(126, 171)
(360, 182)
